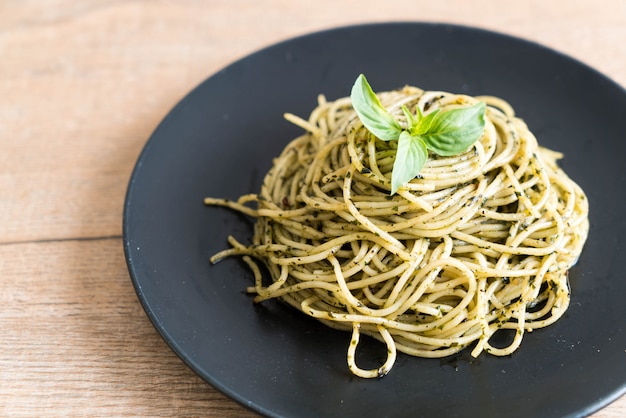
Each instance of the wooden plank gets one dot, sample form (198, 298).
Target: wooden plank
(77, 342)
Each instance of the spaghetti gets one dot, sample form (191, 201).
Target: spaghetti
(477, 242)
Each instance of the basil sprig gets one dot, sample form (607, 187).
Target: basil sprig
(445, 133)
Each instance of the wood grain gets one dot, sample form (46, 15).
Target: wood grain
(77, 342)
(82, 86)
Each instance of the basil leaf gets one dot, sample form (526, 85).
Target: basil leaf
(424, 122)
(446, 133)
(453, 131)
(372, 113)
(411, 156)
(410, 119)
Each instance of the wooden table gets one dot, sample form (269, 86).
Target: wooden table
(82, 86)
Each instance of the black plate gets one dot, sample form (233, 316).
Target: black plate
(220, 140)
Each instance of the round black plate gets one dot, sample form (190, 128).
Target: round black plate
(220, 140)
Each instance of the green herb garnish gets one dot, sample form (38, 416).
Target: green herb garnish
(445, 133)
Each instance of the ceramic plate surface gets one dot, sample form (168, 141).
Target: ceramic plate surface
(220, 140)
